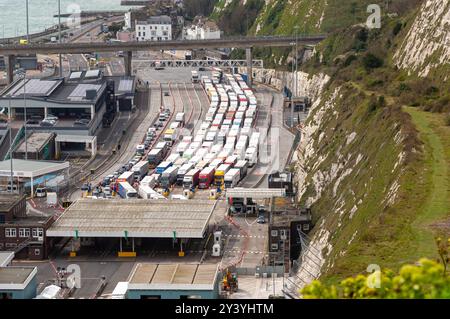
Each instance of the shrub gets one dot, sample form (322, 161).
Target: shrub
(371, 61)
(426, 279)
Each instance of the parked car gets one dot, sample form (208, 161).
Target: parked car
(166, 93)
(107, 192)
(51, 117)
(81, 122)
(48, 123)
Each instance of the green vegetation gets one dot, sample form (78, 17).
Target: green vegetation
(427, 280)
(237, 17)
(398, 156)
(390, 196)
(435, 211)
(193, 8)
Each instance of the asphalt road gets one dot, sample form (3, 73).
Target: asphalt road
(109, 138)
(245, 240)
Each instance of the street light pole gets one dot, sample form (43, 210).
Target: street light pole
(23, 75)
(294, 75)
(60, 39)
(10, 146)
(292, 94)
(296, 63)
(28, 22)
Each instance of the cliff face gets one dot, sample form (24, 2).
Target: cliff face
(427, 44)
(360, 165)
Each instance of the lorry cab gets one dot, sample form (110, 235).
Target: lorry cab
(41, 192)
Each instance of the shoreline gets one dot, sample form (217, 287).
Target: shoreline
(87, 16)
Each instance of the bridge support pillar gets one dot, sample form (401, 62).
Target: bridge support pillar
(249, 55)
(9, 66)
(128, 61)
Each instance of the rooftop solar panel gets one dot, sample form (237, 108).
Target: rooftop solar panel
(92, 74)
(79, 93)
(75, 75)
(125, 85)
(35, 87)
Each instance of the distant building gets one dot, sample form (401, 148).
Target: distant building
(126, 36)
(20, 233)
(132, 16)
(157, 28)
(202, 29)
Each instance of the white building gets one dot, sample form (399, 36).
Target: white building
(202, 30)
(158, 28)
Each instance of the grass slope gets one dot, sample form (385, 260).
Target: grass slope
(434, 218)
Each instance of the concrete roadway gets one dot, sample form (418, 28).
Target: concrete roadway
(134, 136)
(109, 138)
(248, 240)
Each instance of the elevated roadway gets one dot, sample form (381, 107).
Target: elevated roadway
(237, 42)
(247, 43)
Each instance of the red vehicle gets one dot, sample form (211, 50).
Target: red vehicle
(206, 177)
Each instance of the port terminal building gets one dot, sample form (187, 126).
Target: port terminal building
(173, 281)
(83, 103)
(128, 222)
(87, 95)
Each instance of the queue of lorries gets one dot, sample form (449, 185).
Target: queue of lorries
(219, 154)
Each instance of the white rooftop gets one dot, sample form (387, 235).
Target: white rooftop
(31, 169)
(137, 218)
(147, 276)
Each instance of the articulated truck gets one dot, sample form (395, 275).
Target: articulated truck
(140, 170)
(126, 191)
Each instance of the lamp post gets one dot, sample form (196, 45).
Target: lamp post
(60, 39)
(23, 75)
(28, 22)
(294, 76)
(10, 146)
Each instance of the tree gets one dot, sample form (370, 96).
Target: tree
(425, 280)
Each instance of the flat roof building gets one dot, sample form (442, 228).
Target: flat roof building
(18, 282)
(39, 146)
(138, 218)
(20, 233)
(135, 220)
(173, 281)
(82, 95)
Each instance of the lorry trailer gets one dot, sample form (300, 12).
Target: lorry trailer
(126, 191)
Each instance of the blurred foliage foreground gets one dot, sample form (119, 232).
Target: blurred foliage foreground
(427, 279)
